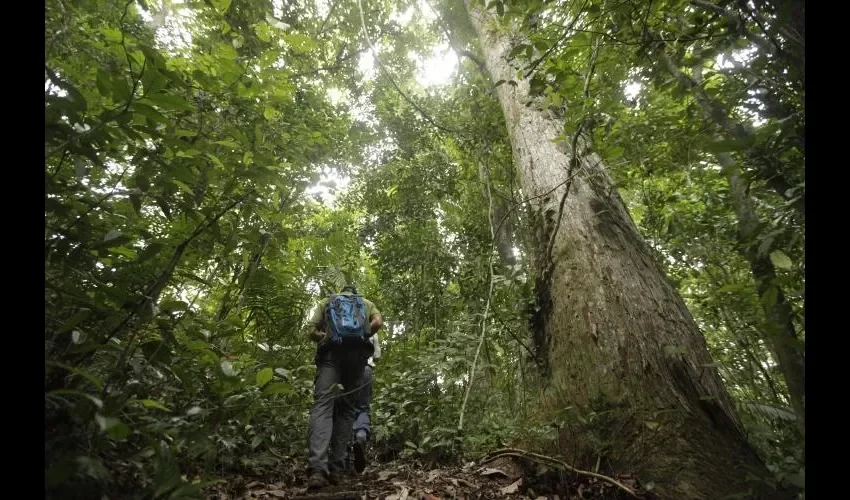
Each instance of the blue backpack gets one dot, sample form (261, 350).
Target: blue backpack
(346, 319)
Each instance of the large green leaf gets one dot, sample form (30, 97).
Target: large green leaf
(264, 376)
(781, 260)
(278, 388)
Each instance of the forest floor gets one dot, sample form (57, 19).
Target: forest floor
(502, 477)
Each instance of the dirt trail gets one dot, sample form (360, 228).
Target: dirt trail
(505, 477)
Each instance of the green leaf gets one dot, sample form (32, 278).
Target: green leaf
(168, 101)
(153, 80)
(263, 31)
(215, 159)
(70, 392)
(104, 83)
(616, 152)
(221, 5)
(188, 153)
(270, 113)
(278, 388)
(264, 376)
(150, 403)
(112, 34)
(126, 252)
(76, 371)
(149, 113)
(183, 187)
(113, 427)
(226, 51)
(121, 89)
(229, 143)
(173, 305)
(781, 260)
(256, 442)
(770, 296)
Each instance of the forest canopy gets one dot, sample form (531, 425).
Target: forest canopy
(581, 219)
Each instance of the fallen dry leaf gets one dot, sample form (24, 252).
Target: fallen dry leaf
(508, 465)
(512, 488)
(466, 483)
(401, 495)
(489, 471)
(384, 475)
(252, 484)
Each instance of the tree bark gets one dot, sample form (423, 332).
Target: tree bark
(621, 346)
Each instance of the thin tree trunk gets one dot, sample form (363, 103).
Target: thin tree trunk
(782, 336)
(779, 324)
(618, 338)
(501, 225)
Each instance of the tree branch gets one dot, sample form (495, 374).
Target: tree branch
(386, 73)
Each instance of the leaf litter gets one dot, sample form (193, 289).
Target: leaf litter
(514, 478)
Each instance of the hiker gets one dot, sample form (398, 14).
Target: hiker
(342, 325)
(362, 420)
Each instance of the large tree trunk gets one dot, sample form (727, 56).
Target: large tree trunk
(618, 338)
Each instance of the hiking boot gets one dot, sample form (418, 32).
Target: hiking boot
(335, 478)
(316, 480)
(360, 454)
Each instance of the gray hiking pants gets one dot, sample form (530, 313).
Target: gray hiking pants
(364, 404)
(334, 409)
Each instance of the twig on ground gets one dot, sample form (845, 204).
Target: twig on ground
(515, 452)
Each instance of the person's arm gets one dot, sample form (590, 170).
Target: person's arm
(375, 324)
(376, 321)
(315, 324)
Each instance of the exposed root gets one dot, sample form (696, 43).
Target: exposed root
(517, 453)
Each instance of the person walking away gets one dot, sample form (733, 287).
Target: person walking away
(341, 325)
